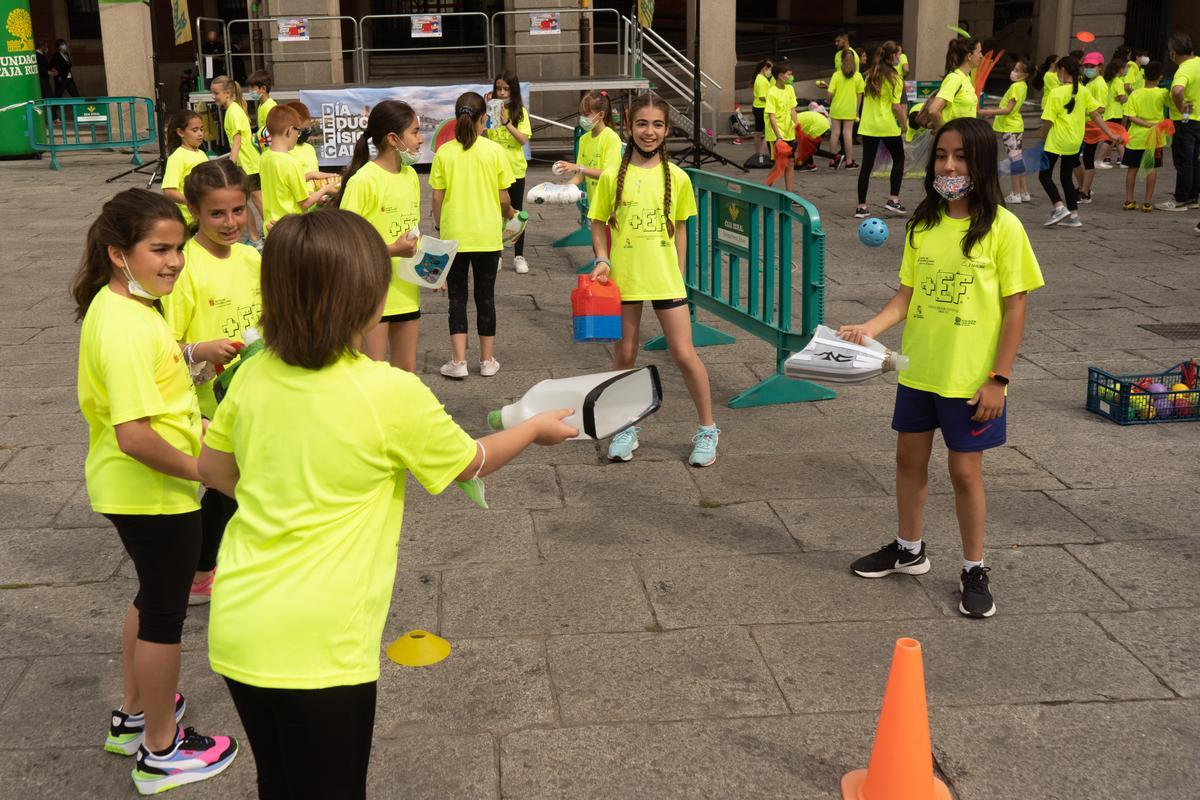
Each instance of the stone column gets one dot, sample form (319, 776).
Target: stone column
(926, 36)
(1052, 27)
(317, 62)
(718, 57)
(128, 52)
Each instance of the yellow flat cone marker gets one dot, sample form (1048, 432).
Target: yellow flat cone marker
(418, 649)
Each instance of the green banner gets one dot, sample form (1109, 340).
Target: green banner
(645, 13)
(18, 77)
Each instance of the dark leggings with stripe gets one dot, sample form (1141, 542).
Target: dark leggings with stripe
(1046, 176)
(870, 145)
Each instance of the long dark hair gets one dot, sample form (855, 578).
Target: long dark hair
(1113, 67)
(516, 105)
(766, 62)
(958, 50)
(648, 100)
(1039, 77)
(388, 116)
(124, 221)
(979, 150)
(1070, 65)
(881, 71)
(175, 123)
(468, 109)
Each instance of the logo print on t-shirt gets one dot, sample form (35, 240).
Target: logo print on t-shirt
(947, 287)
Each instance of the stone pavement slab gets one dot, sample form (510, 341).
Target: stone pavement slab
(1154, 573)
(42, 556)
(1167, 641)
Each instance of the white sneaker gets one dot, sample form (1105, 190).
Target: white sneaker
(1072, 221)
(486, 368)
(520, 265)
(1057, 215)
(499, 264)
(1025, 198)
(1171, 205)
(1104, 165)
(455, 369)
(1013, 199)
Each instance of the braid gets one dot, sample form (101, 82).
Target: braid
(612, 220)
(663, 156)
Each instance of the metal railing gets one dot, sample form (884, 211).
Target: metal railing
(660, 65)
(364, 52)
(90, 126)
(278, 53)
(209, 23)
(588, 15)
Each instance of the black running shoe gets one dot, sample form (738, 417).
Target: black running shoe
(861, 212)
(976, 594)
(1085, 198)
(889, 559)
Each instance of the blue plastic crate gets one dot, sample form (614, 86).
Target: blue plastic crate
(597, 329)
(1120, 398)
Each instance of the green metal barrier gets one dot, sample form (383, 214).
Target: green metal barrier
(581, 236)
(739, 267)
(67, 124)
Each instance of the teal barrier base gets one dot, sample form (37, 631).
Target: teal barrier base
(586, 269)
(780, 389)
(581, 237)
(702, 336)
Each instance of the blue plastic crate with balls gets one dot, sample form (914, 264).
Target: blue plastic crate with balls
(1169, 396)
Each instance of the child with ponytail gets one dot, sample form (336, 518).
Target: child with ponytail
(185, 134)
(1066, 112)
(470, 179)
(643, 207)
(513, 134)
(228, 95)
(142, 474)
(599, 147)
(884, 122)
(386, 193)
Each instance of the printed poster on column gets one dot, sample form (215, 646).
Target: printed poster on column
(543, 23)
(426, 26)
(342, 114)
(292, 29)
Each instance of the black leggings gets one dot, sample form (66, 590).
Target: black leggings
(1046, 176)
(516, 196)
(164, 549)
(1088, 152)
(870, 144)
(309, 744)
(216, 510)
(484, 266)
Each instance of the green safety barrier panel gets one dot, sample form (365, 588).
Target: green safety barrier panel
(741, 249)
(69, 124)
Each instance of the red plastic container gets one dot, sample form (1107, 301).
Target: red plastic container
(596, 308)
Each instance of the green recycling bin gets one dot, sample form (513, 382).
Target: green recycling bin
(18, 77)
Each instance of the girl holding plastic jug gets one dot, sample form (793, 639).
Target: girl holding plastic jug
(644, 205)
(513, 133)
(386, 193)
(599, 147)
(964, 282)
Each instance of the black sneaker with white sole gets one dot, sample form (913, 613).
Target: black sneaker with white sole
(889, 559)
(976, 593)
(895, 207)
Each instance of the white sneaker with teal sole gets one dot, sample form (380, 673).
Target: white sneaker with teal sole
(704, 446)
(623, 444)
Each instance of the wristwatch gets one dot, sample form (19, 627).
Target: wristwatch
(998, 378)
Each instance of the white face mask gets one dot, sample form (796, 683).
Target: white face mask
(62, 48)
(136, 289)
(1143, 61)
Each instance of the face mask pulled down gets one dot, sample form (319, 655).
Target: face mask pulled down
(952, 187)
(135, 288)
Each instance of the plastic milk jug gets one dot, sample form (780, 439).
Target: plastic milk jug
(605, 403)
(515, 227)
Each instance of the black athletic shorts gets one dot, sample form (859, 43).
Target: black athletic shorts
(659, 305)
(407, 316)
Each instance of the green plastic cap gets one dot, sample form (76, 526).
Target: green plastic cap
(494, 421)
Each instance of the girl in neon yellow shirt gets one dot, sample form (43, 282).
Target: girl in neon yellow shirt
(513, 134)
(956, 97)
(142, 473)
(1066, 113)
(642, 207)
(228, 95)
(316, 440)
(599, 147)
(470, 177)
(387, 193)
(884, 122)
(845, 102)
(215, 300)
(185, 134)
(967, 270)
(1008, 122)
(762, 84)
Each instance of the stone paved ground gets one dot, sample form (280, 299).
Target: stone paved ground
(650, 630)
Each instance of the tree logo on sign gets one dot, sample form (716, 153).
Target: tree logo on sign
(20, 27)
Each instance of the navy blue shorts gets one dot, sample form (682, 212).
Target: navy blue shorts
(919, 411)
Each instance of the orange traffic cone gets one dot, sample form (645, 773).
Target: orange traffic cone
(901, 765)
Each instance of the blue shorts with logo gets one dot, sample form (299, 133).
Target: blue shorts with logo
(918, 411)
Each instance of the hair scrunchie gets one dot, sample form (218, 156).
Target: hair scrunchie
(461, 110)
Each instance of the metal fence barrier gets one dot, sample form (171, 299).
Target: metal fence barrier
(94, 123)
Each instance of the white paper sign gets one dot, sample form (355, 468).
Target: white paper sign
(292, 29)
(544, 23)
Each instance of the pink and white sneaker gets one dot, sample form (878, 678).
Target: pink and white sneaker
(201, 591)
(193, 758)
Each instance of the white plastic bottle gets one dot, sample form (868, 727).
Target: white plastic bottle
(515, 227)
(605, 403)
(829, 358)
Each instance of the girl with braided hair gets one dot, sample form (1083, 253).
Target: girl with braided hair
(643, 206)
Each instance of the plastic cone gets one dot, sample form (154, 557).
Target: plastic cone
(418, 649)
(901, 766)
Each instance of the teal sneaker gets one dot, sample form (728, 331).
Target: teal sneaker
(623, 444)
(704, 451)
(126, 732)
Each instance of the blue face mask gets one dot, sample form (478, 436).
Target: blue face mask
(1090, 72)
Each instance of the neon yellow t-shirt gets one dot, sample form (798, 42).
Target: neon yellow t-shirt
(1148, 104)
(180, 164)
(1066, 129)
(391, 202)
(306, 156)
(781, 104)
(1012, 122)
(214, 298)
(514, 150)
(1187, 76)
(813, 124)
(912, 132)
(845, 92)
(472, 180)
(645, 263)
(600, 151)
(953, 324)
(1099, 90)
(308, 562)
(237, 121)
(264, 108)
(761, 85)
(1050, 82)
(837, 59)
(131, 368)
(283, 186)
(878, 117)
(1114, 108)
(959, 94)
(900, 65)
(1134, 76)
